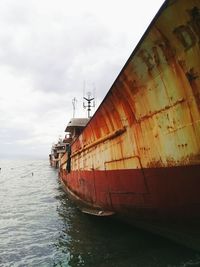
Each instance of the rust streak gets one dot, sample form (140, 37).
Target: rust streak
(101, 140)
(161, 110)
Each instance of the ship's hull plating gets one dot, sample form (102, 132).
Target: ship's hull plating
(157, 203)
(139, 155)
(158, 191)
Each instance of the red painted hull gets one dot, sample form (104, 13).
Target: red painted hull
(152, 201)
(159, 191)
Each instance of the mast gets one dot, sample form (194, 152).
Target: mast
(74, 101)
(88, 105)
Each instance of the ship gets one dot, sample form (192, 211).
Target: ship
(137, 159)
(57, 151)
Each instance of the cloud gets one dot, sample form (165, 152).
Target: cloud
(47, 47)
(48, 51)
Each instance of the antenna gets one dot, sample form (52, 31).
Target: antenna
(89, 99)
(74, 101)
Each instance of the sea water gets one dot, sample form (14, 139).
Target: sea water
(40, 226)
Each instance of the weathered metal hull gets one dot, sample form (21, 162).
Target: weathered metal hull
(139, 156)
(157, 203)
(159, 195)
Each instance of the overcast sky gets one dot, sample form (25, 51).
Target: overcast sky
(50, 50)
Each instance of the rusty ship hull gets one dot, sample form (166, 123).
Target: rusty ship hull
(138, 158)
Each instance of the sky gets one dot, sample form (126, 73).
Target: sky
(52, 51)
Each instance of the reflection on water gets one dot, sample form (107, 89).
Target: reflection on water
(91, 241)
(39, 226)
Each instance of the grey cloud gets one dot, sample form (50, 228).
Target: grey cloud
(48, 49)
(11, 135)
(51, 54)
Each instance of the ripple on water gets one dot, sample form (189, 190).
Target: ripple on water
(39, 226)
